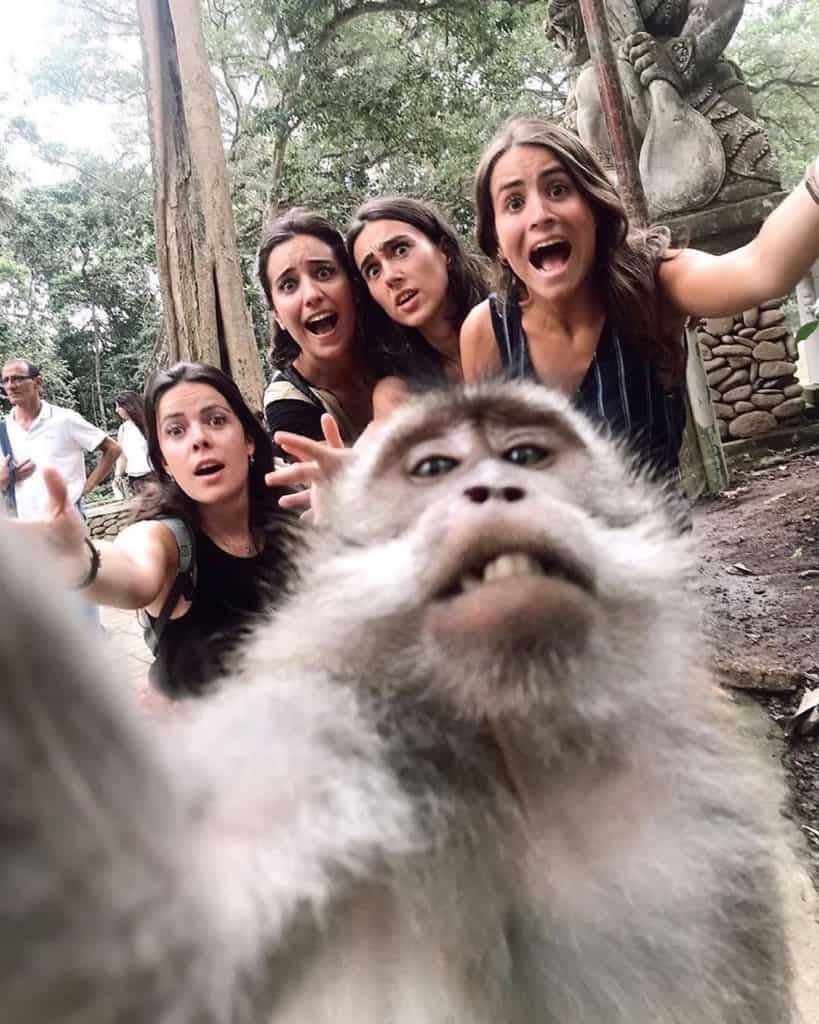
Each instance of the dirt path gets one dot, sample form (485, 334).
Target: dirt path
(759, 546)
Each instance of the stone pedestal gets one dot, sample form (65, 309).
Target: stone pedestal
(750, 358)
(750, 366)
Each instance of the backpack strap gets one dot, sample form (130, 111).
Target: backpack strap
(293, 377)
(184, 585)
(5, 447)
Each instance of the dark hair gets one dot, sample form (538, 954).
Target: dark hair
(31, 369)
(133, 403)
(467, 281)
(170, 499)
(294, 222)
(626, 259)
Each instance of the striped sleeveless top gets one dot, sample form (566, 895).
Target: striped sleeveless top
(621, 389)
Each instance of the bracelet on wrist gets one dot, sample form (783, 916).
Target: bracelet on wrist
(811, 181)
(93, 568)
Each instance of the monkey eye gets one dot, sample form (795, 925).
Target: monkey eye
(526, 454)
(435, 465)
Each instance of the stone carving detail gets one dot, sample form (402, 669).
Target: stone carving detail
(691, 112)
(750, 364)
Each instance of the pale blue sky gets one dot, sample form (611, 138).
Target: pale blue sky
(28, 28)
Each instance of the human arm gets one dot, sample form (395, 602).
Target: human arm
(697, 283)
(136, 571)
(479, 350)
(110, 451)
(121, 467)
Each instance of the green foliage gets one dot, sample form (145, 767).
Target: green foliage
(777, 47)
(323, 103)
(76, 269)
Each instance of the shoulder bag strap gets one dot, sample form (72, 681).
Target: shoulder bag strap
(5, 446)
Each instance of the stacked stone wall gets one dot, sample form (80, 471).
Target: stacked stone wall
(105, 522)
(750, 364)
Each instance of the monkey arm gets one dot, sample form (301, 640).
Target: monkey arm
(155, 877)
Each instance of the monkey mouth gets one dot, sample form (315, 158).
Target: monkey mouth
(529, 592)
(515, 565)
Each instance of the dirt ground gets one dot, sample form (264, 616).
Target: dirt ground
(759, 546)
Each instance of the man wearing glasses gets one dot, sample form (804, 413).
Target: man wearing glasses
(42, 434)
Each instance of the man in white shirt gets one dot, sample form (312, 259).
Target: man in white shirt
(42, 434)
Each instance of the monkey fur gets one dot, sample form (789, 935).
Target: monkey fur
(471, 772)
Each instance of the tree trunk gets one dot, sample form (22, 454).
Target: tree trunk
(205, 316)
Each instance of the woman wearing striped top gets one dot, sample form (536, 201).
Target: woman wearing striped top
(593, 308)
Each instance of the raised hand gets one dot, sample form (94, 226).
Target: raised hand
(319, 462)
(63, 530)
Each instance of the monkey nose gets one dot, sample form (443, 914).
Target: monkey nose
(480, 493)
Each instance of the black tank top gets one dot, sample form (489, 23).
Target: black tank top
(621, 389)
(231, 595)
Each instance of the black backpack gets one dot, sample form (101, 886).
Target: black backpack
(184, 585)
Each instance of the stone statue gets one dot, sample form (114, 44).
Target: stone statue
(690, 110)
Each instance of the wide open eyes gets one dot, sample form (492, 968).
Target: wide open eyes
(527, 455)
(433, 465)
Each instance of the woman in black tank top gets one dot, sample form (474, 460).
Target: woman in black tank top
(589, 306)
(211, 455)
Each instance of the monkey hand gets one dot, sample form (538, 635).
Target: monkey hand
(319, 462)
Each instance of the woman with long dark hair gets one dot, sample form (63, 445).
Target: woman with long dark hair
(133, 463)
(211, 455)
(596, 308)
(321, 359)
(421, 278)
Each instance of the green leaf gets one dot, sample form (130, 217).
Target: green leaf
(806, 330)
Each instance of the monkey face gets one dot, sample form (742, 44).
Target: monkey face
(489, 534)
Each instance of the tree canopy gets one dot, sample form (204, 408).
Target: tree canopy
(322, 103)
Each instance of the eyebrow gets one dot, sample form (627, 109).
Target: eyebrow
(213, 407)
(388, 243)
(319, 261)
(501, 412)
(546, 172)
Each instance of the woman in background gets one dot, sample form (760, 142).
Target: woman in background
(318, 353)
(422, 279)
(595, 308)
(211, 455)
(133, 462)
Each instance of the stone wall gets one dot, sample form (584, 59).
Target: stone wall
(105, 521)
(750, 364)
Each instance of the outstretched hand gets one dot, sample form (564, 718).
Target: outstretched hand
(62, 529)
(319, 462)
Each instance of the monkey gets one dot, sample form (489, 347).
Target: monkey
(471, 769)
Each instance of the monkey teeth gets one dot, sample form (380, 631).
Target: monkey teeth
(502, 567)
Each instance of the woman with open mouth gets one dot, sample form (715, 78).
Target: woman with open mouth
(588, 305)
(318, 351)
(206, 556)
(423, 281)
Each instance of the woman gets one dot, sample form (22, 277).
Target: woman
(590, 307)
(211, 455)
(423, 284)
(318, 351)
(423, 281)
(133, 462)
